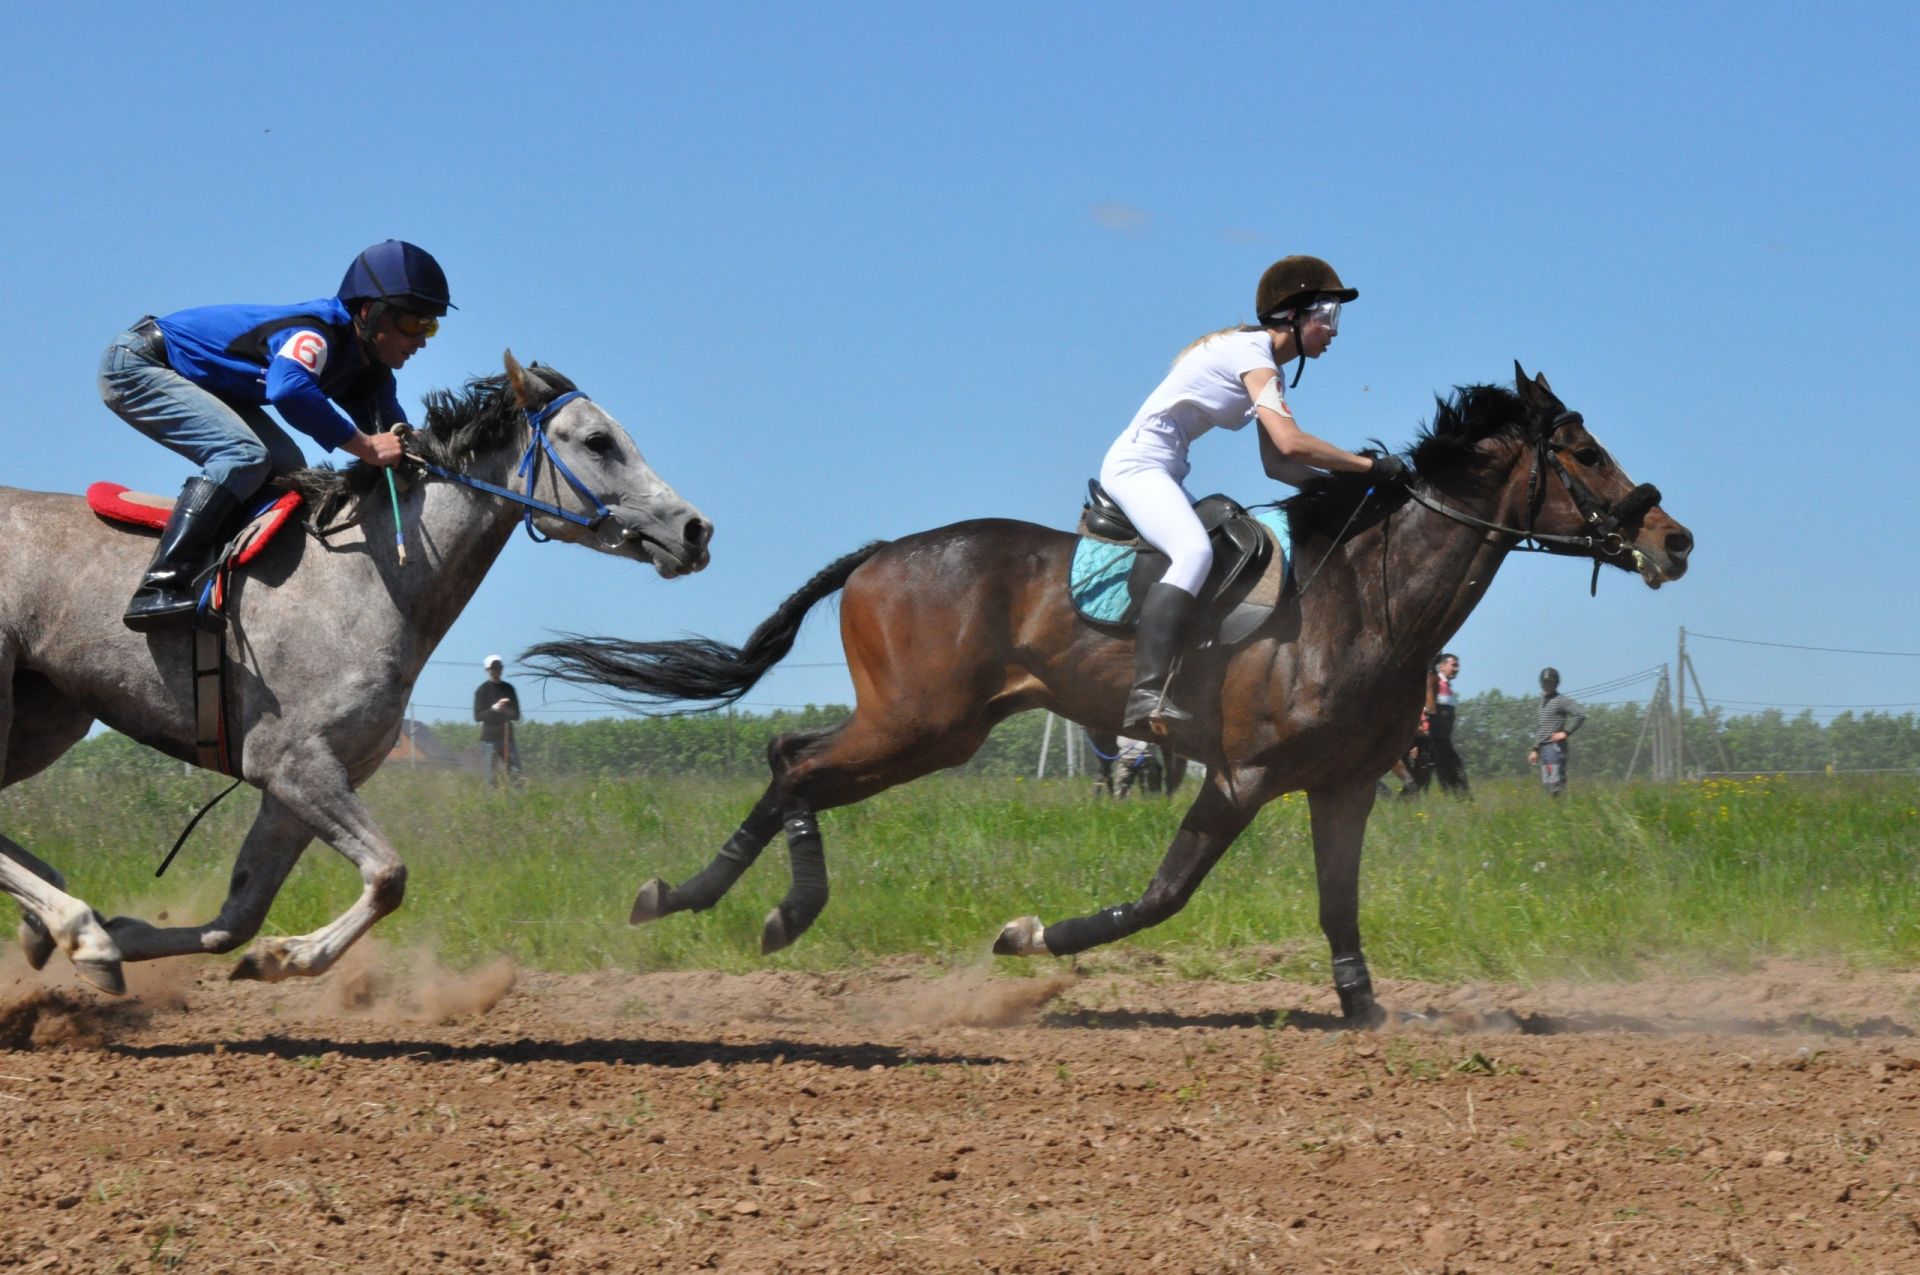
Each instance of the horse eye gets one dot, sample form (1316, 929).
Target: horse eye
(599, 444)
(1591, 457)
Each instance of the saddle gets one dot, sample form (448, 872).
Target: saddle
(247, 534)
(1113, 568)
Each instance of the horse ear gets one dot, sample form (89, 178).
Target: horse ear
(517, 378)
(1533, 391)
(528, 388)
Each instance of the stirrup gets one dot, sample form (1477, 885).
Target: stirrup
(1153, 712)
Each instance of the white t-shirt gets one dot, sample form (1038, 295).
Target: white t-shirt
(1202, 392)
(1204, 389)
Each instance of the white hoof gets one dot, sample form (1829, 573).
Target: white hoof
(1023, 937)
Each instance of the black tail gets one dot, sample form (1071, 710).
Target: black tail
(696, 670)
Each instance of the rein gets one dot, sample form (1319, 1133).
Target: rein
(539, 451)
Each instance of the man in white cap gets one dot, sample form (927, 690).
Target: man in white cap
(496, 706)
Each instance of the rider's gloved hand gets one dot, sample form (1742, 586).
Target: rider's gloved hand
(1388, 470)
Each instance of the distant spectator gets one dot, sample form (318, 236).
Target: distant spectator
(1559, 718)
(1414, 769)
(496, 706)
(1438, 749)
(1136, 762)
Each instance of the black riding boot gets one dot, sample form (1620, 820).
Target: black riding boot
(1163, 622)
(166, 592)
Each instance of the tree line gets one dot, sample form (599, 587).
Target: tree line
(1493, 733)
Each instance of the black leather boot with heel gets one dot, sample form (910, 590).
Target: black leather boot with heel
(1156, 641)
(166, 594)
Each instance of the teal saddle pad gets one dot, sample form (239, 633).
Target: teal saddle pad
(1097, 581)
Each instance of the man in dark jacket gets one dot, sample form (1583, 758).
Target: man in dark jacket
(1559, 718)
(496, 706)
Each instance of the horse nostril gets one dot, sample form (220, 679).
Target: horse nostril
(1679, 544)
(699, 532)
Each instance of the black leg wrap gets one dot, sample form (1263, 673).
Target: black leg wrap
(1355, 986)
(704, 890)
(807, 894)
(808, 858)
(1077, 934)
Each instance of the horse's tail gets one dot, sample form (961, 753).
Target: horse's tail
(697, 671)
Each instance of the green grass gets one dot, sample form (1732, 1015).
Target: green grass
(1616, 880)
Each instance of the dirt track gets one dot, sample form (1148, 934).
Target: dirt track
(896, 1121)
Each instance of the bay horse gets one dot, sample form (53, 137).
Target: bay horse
(947, 632)
(326, 635)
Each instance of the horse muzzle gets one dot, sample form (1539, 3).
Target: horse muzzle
(1661, 550)
(681, 553)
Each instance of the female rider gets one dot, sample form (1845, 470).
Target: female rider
(1224, 379)
(197, 381)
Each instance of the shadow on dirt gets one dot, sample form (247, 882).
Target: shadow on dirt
(1500, 1021)
(592, 1049)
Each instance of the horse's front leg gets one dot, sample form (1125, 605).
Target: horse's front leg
(1339, 827)
(272, 846)
(1225, 807)
(314, 788)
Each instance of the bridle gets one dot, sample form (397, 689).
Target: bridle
(1603, 521)
(539, 451)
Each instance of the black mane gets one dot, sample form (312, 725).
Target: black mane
(461, 427)
(1449, 445)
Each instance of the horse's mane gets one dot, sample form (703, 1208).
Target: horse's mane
(1450, 444)
(461, 427)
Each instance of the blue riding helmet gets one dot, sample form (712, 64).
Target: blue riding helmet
(398, 273)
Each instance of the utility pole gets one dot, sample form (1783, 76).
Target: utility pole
(1046, 742)
(1680, 710)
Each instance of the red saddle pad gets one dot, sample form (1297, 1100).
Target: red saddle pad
(139, 509)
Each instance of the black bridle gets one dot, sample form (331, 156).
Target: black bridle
(1603, 521)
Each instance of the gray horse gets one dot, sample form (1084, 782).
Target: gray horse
(325, 640)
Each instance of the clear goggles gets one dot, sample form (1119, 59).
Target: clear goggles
(1326, 310)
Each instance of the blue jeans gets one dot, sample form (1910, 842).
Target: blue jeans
(1553, 769)
(236, 445)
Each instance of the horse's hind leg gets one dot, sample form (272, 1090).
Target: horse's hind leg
(866, 755)
(1225, 807)
(71, 925)
(37, 725)
(272, 846)
(698, 893)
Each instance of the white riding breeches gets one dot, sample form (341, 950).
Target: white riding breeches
(1144, 480)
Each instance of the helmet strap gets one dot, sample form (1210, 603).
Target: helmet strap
(1299, 349)
(364, 326)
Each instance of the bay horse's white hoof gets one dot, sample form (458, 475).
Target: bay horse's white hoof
(651, 903)
(36, 944)
(1025, 936)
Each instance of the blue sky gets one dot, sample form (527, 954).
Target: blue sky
(852, 271)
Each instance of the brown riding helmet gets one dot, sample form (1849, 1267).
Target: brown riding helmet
(1291, 281)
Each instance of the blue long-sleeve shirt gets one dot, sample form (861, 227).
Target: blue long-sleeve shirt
(302, 360)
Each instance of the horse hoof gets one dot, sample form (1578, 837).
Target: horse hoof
(36, 944)
(1023, 937)
(261, 964)
(103, 974)
(652, 903)
(773, 933)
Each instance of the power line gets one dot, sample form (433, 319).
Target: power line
(1794, 646)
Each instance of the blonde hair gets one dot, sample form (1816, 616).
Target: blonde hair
(1199, 341)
